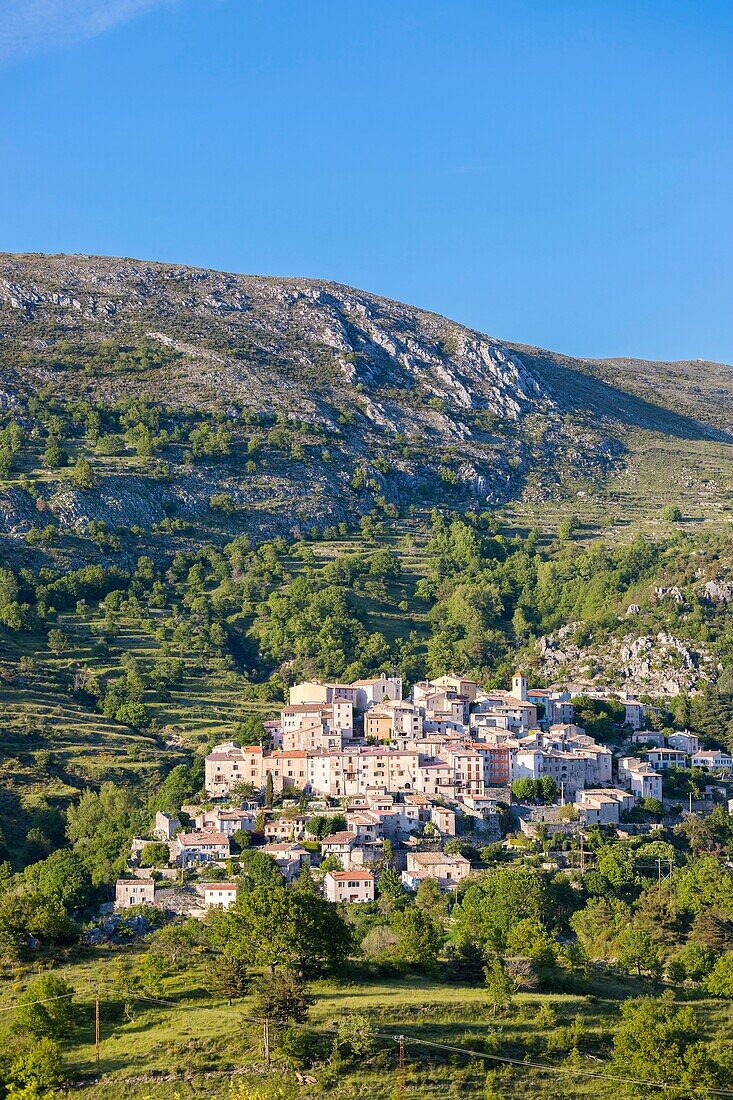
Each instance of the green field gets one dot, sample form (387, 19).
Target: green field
(190, 1045)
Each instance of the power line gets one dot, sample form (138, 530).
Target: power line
(558, 1069)
(41, 1001)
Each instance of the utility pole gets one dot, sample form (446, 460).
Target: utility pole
(401, 1073)
(96, 1026)
(266, 1041)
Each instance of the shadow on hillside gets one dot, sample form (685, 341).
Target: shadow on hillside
(574, 389)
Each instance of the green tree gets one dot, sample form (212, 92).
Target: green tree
(135, 715)
(419, 937)
(178, 787)
(719, 981)
(499, 901)
(598, 924)
(258, 869)
(331, 863)
(57, 642)
(272, 927)
(46, 1008)
(100, 826)
(390, 884)
(638, 952)
(548, 789)
(177, 943)
(356, 1036)
(525, 789)
(62, 875)
(567, 528)
(151, 972)
(83, 475)
(54, 454)
(38, 1072)
(617, 865)
(657, 1042)
(499, 985)
(713, 929)
(530, 939)
(226, 976)
(704, 883)
(154, 854)
(695, 960)
(281, 997)
(26, 912)
(430, 898)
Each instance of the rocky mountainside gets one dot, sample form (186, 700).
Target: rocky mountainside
(332, 399)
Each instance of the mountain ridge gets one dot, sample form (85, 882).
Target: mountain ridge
(367, 401)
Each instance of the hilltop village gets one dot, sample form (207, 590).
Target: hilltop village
(353, 778)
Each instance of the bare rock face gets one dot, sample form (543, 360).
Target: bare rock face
(660, 665)
(672, 593)
(288, 324)
(460, 417)
(717, 591)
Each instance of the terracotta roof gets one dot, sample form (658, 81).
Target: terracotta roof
(305, 708)
(230, 886)
(282, 846)
(203, 838)
(339, 838)
(341, 876)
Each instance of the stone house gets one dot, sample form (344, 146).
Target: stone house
(447, 870)
(134, 891)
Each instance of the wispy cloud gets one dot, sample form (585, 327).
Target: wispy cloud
(27, 26)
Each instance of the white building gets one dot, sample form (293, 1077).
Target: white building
(225, 821)
(447, 870)
(202, 846)
(229, 764)
(290, 858)
(667, 758)
(688, 742)
(349, 886)
(165, 826)
(714, 760)
(640, 777)
(219, 895)
(603, 805)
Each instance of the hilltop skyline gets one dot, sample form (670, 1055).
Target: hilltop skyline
(557, 176)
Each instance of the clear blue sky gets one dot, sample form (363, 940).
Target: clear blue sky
(555, 172)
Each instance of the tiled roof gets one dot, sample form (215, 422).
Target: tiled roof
(341, 876)
(193, 839)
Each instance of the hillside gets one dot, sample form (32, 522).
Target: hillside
(152, 415)
(184, 387)
(213, 486)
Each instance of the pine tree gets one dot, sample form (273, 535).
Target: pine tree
(498, 984)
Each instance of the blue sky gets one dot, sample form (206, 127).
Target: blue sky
(554, 172)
